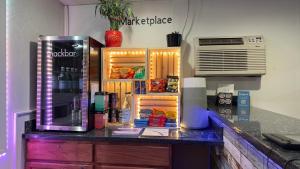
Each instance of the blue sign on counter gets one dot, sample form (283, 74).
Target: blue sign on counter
(243, 106)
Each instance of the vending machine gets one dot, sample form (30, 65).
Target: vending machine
(68, 72)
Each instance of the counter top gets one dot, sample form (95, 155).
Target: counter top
(251, 125)
(208, 136)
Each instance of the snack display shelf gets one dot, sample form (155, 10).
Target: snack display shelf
(159, 64)
(123, 58)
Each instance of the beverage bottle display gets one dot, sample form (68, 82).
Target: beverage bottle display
(76, 79)
(62, 80)
(76, 112)
(81, 80)
(73, 80)
(68, 80)
(125, 115)
(55, 85)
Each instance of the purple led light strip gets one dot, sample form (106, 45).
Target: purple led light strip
(49, 73)
(39, 83)
(84, 100)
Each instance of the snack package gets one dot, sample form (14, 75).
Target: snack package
(158, 112)
(141, 123)
(137, 87)
(126, 73)
(172, 85)
(158, 85)
(171, 114)
(139, 72)
(171, 121)
(171, 124)
(157, 120)
(121, 72)
(115, 73)
(145, 113)
(143, 87)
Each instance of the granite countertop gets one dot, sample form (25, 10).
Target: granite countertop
(209, 136)
(251, 125)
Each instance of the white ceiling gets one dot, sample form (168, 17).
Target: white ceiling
(78, 2)
(88, 2)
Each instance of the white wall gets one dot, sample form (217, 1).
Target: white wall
(278, 21)
(2, 77)
(27, 20)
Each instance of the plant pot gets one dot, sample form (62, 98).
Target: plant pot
(113, 38)
(174, 39)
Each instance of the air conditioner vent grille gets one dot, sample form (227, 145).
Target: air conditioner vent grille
(220, 41)
(230, 56)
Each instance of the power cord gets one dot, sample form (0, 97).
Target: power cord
(268, 154)
(187, 16)
(290, 161)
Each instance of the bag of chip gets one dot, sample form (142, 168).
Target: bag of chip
(139, 72)
(172, 85)
(158, 85)
(158, 112)
(121, 72)
(171, 114)
(145, 113)
(126, 73)
(115, 73)
(157, 121)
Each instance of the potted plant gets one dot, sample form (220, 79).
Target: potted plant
(115, 11)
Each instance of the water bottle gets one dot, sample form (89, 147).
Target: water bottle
(126, 110)
(68, 80)
(55, 85)
(62, 80)
(81, 81)
(73, 81)
(76, 79)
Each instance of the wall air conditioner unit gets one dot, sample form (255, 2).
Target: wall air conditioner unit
(230, 56)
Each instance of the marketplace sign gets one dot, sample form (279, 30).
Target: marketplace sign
(136, 21)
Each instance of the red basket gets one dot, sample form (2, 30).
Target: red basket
(157, 120)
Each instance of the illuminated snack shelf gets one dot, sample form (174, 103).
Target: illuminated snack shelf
(123, 57)
(159, 63)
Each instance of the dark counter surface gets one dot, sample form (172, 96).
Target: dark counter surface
(209, 136)
(251, 125)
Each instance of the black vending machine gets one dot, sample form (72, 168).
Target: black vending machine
(68, 73)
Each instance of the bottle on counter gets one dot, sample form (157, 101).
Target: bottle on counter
(125, 114)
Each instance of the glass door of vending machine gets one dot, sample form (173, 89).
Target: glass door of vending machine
(63, 82)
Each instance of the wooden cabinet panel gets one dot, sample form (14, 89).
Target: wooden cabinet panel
(40, 165)
(123, 167)
(60, 151)
(138, 154)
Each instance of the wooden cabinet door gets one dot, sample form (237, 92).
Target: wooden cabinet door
(123, 167)
(40, 165)
(133, 154)
(68, 151)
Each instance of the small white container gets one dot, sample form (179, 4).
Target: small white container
(195, 114)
